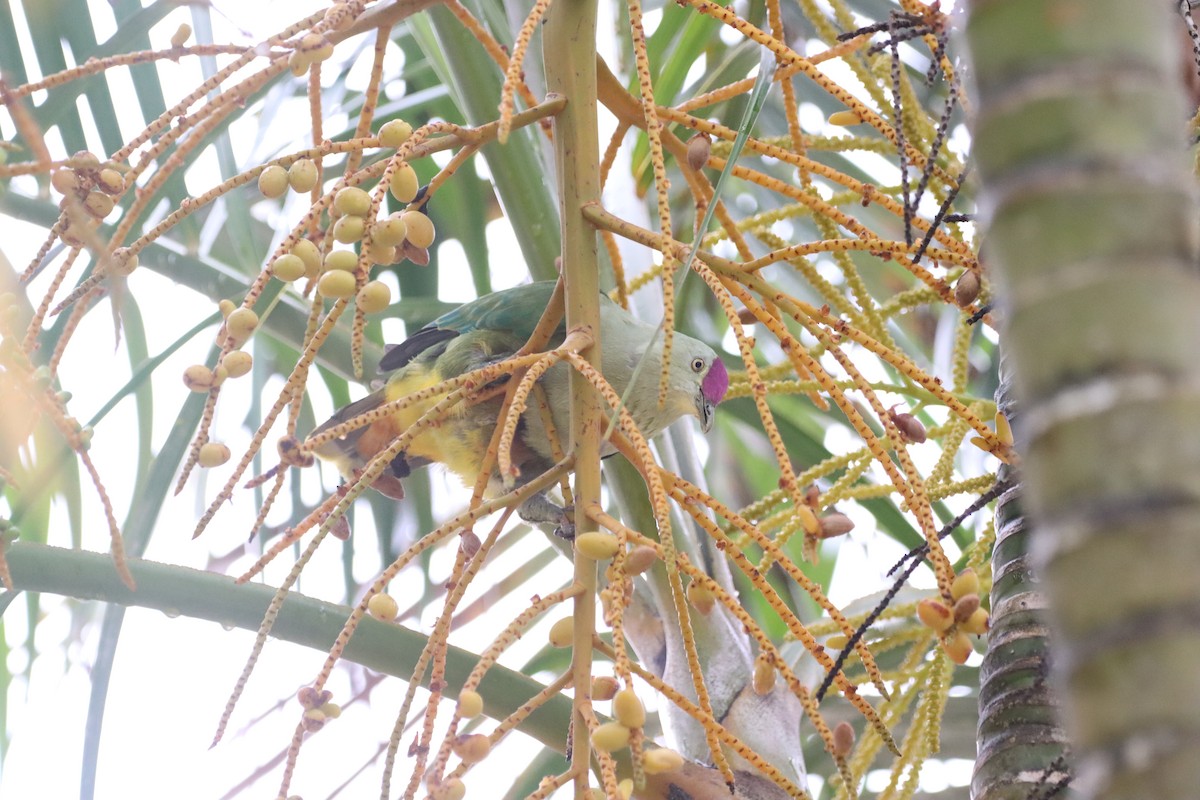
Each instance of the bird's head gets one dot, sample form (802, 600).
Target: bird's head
(707, 377)
(713, 386)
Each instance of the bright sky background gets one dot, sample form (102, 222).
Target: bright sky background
(172, 676)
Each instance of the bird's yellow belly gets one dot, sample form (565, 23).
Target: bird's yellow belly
(453, 440)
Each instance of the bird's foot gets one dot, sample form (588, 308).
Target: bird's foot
(540, 510)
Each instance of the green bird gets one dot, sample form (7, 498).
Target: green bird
(491, 329)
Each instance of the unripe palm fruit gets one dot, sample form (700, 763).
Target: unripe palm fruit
(965, 583)
(310, 254)
(198, 378)
(212, 454)
(379, 254)
(640, 559)
(419, 228)
(273, 181)
(241, 324)
(935, 614)
(472, 748)
(383, 606)
(967, 288)
(181, 35)
(98, 204)
(389, 231)
(701, 598)
(374, 297)
(351, 200)
(470, 704)
(449, 789)
(302, 175)
(336, 284)
(628, 709)
(763, 680)
(288, 267)
(237, 363)
(610, 736)
(64, 181)
(345, 260)
(660, 760)
(349, 228)
(404, 183)
(298, 63)
(965, 606)
(604, 687)
(109, 181)
(562, 632)
(394, 133)
(958, 647)
(597, 545)
(978, 623)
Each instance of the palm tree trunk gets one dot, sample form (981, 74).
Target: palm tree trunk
(1092, 233)
(1022, 746)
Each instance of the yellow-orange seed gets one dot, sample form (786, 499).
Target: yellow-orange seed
(610, 736)
(562, 632)
(470, 703)
(628, 709)
(404, 183)
(935, 614)
(336, 284)
(383, 606)
(273, 181)
(597, 545)
(419, 228)
(212, 454)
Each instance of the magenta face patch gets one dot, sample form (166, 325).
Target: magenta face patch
(715, 383)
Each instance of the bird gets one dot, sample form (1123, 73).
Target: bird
(490, 329)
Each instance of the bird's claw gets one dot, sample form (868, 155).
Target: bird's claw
(545, 513)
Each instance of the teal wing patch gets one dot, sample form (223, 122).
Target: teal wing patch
(513, 312)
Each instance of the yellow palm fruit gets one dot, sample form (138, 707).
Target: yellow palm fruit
(404, 183)
(628, 709)
(273, 181)
(562, 632)
(610, 736)
(394, 133)
(660, 760)
(212, 454)
(336, 284)
(470, 704)
(373, 297)
(935, 614)
(383, 606)
(597, 545)
(419, 228)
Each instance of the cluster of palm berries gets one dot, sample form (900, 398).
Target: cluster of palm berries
(313, 48)
(94, 185)
(318, 707)
(953, 622)
(240, 324)
(389, 240)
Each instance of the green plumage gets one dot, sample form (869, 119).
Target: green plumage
(490, 329)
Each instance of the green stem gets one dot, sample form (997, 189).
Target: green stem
(383, 647)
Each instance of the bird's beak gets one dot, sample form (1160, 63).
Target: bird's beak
(707, 412)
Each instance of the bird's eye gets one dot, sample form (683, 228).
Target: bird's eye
(697, 365)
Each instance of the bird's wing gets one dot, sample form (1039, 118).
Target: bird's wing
(513, 311)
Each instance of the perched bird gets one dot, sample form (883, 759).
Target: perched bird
(488, 330)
